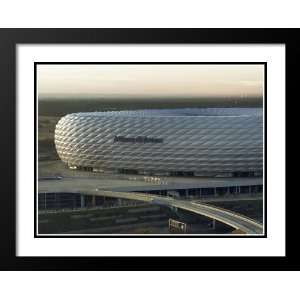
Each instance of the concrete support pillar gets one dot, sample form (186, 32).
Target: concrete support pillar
(82, 201)
(93, 201)
(215, 192)
(186, 193)
(200, 193)
(214, 224)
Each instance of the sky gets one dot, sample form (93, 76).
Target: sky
(150, 80)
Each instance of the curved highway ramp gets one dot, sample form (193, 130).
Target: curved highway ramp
(235, 220)
(230, 218)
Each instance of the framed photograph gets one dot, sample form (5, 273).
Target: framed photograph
(139, 149)
(153, 149)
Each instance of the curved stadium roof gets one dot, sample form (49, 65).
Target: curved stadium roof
(206, 141)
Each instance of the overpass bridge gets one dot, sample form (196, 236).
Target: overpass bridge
(235, 220)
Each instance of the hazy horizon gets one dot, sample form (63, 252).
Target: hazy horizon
(149, 81)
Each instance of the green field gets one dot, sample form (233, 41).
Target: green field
(89, 219)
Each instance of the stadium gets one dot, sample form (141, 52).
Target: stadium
(226, 142)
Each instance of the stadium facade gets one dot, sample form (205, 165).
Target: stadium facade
(196, 142)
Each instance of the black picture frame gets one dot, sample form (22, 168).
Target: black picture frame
(9, 38)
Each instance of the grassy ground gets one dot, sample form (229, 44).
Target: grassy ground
(123, 220)
(83, 220)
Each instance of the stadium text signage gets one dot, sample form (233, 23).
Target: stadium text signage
(138, 139)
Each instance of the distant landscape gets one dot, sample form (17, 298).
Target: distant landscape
(58, 107)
